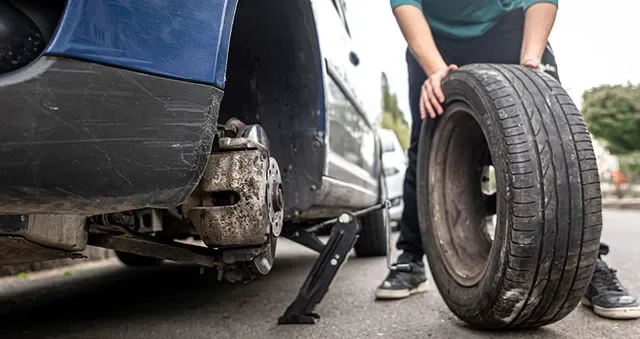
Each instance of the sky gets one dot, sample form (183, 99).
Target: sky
(595, 43)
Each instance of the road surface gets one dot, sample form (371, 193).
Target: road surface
(106, 300)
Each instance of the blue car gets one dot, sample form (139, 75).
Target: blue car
(196, 131)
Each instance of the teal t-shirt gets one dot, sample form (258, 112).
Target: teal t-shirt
(464, 19)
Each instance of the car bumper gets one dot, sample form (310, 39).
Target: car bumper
(84, 138)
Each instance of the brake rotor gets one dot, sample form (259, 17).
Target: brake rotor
(275, 200)
(263, 263)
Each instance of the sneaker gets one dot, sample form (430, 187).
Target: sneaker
(607, 297)
(399, 285)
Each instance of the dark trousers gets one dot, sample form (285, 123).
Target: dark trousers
(500, 45)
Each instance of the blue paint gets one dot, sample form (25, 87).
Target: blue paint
(186, 40)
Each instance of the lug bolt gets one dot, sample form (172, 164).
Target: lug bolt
(278, 200)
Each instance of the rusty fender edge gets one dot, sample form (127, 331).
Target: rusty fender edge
(83, 138)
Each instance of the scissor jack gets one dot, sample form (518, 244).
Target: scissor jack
(333, 255)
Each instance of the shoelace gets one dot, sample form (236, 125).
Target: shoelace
(608, 279)
(615, 281)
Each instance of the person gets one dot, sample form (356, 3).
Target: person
(441, 36)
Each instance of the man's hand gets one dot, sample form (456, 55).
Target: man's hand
(432, 97)
(531, 63)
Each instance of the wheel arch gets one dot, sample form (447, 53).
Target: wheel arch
(274, 78)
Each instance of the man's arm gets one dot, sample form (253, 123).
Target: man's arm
(539, 19)
(416, 31)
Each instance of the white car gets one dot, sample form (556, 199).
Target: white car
(394, 160)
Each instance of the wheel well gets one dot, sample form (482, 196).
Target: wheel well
(26, 28)
(274, 79)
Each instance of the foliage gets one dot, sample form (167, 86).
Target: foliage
(400, 127)
(392, 116)
(612, 114)
(630, 166)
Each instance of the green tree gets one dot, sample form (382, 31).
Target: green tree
(612, 114)
(392, 116)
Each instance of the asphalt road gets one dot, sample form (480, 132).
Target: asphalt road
(106, 300)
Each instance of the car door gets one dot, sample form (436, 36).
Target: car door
(351, 138)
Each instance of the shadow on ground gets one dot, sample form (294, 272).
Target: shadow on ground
(176, 301)
(129, 295)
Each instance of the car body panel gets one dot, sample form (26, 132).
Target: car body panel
(124, 103)
(351, 137)
(84, 138)
(185, 40)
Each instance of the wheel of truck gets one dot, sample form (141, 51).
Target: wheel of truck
(134, 260)
(536, 266)
(372, 241)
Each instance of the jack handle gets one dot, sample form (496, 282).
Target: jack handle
(387, 231)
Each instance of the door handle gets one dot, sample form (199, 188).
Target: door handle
(354, 58)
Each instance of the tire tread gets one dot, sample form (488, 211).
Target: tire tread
(554, 226)
(562, 262)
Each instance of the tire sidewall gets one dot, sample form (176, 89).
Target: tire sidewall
(471, 303)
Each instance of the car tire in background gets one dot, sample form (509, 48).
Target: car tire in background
(134, 260)
(549, 217)
(372, 241)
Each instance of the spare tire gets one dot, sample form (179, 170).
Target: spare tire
(536, 267)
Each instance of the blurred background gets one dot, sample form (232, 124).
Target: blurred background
(597, 56)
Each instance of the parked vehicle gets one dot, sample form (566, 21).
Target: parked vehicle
(395, 162)
(132, 125)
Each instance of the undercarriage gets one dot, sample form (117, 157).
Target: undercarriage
(230, 222)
